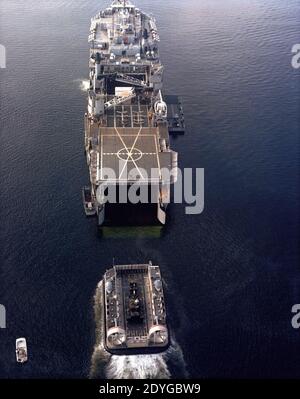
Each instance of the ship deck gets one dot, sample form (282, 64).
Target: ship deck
(136, 329)
(151, 311)
(132, 153)
(135, 115)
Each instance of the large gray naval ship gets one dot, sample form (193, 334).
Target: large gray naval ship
(134, 312)
(128, 121)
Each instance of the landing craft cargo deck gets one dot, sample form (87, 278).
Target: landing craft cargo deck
(135, 313)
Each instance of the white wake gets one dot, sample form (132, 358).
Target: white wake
(137, 367)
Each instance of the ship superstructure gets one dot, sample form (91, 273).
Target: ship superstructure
(127, 122)
(134, 310)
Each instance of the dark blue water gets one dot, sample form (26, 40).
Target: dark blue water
(233, 271)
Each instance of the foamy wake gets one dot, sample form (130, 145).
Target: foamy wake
(83, 84)
(137, 367)
(169, 364)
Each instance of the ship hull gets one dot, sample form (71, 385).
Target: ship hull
(124, 351)
(127, 123)
(103, 335)
(134, 317)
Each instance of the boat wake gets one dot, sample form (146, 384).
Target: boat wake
(169, 364)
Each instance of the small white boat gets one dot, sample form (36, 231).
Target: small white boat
(21, 350)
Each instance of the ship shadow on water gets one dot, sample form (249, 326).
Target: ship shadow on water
(139, 214)
(166, 365)
(125, 232)
(131, 221)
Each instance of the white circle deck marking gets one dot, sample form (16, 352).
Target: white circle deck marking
(131, 155)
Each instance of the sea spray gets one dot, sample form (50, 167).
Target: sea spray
(83, 84)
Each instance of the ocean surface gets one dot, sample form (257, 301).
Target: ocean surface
(232, 273)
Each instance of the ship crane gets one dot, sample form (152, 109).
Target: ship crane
(120, 77)
(160, 108)
(119, 100)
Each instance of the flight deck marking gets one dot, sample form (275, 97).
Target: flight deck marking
(134, 153)
(157, 156)
(129, 152)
